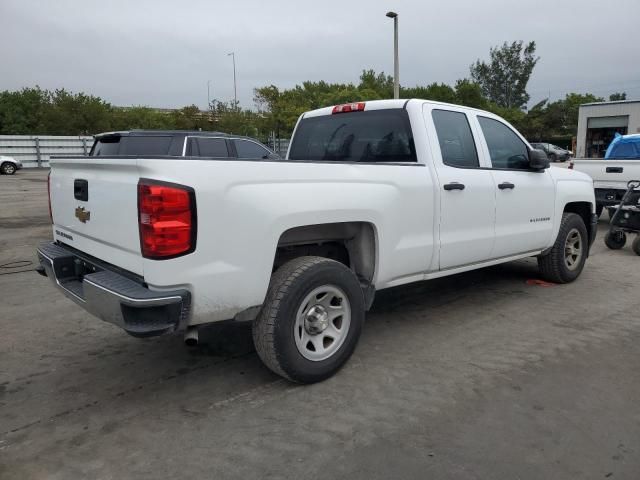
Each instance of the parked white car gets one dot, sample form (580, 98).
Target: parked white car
(371, 195)
(9, 165)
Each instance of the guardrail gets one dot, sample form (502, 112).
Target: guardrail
(35, 150)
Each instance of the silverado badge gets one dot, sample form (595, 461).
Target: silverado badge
(83, 215)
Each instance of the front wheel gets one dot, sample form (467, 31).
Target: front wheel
(8, 168)
(311, 319)
(615, 239)
(552, 157)
(565, 261)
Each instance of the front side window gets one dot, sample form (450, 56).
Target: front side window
(366, 136)
(456, 140)
(505, 147)
(207, 147)
(248, 149)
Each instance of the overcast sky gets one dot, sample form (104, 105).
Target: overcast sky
(162, 53)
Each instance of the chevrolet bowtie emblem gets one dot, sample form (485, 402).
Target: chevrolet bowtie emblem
(83, 215)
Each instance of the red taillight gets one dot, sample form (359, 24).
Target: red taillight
(348, 107)
(49, 195)
(167, 219)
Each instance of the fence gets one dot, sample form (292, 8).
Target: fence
(279, 145)
(35, 150)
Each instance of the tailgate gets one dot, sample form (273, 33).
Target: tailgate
(94, 205)
(610, 174)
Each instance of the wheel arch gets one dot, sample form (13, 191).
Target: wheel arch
(583, 209)
(354, 244)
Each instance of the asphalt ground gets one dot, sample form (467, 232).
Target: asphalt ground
(483, 375)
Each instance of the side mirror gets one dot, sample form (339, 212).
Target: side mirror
(538, 160)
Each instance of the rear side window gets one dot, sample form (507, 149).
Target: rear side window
(207, 147)
(248, 149)
(116, 145)
(505, 147)
(366, 136)
(456, 140)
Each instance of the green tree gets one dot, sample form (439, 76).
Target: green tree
(470, 94)
(22, 112)
(504, 79)
(617, 96)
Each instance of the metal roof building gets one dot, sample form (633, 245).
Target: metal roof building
(599, 122)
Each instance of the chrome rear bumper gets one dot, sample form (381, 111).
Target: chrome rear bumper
(112, 296)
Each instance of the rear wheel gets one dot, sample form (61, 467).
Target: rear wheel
(599, 209)
(565, 261)
(311, 320)
(636, 245)
(8, 168)
(615, 239)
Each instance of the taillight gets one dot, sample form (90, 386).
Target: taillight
(348, 107)
(570, 165)
(49, 195)
(167, 219)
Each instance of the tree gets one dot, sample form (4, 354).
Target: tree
(504, 79)
(617, 96)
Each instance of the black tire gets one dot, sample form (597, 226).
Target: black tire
(8, 168)
(273, 329)
(552, 157)
(553, 266)
(615, 240)
(636, 245)
(599, 209)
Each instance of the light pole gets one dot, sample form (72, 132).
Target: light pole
(396, 62)
(235, 91)
(208, 94)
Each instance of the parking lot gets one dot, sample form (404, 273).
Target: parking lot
(487, 374)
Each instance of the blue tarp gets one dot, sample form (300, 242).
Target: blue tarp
(624, 147)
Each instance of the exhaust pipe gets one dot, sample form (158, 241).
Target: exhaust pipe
(191, 337)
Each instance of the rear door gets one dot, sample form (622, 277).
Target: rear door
(94, 207)
(467, 191)
(525, 198)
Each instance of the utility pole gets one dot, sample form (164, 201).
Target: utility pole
(396, 61)
(235, 91)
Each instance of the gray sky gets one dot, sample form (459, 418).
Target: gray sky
(161, 53)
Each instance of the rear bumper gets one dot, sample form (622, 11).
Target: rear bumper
(114, 297)
(609, 196)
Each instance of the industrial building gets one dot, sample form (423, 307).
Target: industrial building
(599, 122)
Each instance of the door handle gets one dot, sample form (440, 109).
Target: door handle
(615, 169)
(454, 186)
(505, 185)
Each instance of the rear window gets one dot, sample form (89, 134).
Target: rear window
(131, 145)
(367, 136)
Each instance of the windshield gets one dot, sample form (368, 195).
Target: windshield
(368, 136)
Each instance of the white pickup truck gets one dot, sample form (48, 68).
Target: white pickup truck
(610, 178)
(370, 196)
